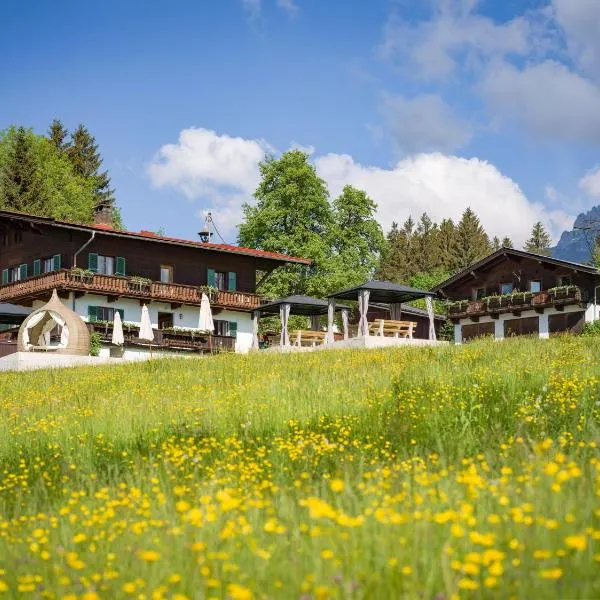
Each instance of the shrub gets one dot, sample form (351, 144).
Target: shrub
(95, 344)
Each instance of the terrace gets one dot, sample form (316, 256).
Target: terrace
(115, 287)
(516, 303)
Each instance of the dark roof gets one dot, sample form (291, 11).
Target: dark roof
(299, 305)
(383, 291)
(13, 309)
(503, 253)
(153, 237)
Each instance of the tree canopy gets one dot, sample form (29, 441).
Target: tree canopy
(293, 215)
(57, 175)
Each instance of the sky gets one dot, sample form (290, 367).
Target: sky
(430, 106)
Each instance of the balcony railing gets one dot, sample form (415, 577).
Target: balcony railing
(115, 286)
(517, 302)
(168, 339)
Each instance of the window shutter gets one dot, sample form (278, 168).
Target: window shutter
(93, 262)
(211, 278)
(122, 313)
(92, 313)
(120, 270)
(233, 329)
(232, 281)
(56, 259)
(4, 276)
(23, 272)
(37, 266)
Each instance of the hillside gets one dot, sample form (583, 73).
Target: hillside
(420, 473)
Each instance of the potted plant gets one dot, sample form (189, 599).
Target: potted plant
(563, 292)
(82, 275)
(493, 301)
(140, 284)
(211, 291)
(457, 307)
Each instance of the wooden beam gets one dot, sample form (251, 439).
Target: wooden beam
(474, 319)
(559, 307)
(539, 311)
(495, 316)
(517, 313)
(176, 305)
(111, 299)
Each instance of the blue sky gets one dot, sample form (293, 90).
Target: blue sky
(459, 102)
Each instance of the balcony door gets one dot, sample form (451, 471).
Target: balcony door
(165, 320)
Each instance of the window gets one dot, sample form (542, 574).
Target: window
(565, 280)
(14, 274)
(226, 328)
(506, 288)
(166, 274)
(48, 265)
(535, 286)
(479, 293)
(222, 280)
(104, 313)
(106, 265)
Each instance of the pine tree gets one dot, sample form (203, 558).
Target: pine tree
(507, 242)
(20, 184)
(398, 261)
(496, 244)
(540, 240)
(86, 160)
(57, 134)
(426, 246)
(471, 241)
(446, 241)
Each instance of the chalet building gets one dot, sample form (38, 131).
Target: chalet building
(97, 270)
(513, 292)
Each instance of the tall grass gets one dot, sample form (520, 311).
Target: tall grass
(469, 471)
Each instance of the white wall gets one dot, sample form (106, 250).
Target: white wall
(543, 320)
(184, 316)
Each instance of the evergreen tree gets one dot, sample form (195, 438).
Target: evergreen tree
(539, 241)
(86, 160)
(20, 183)
(496, 244)
(398, 261)
(507, 242)
(426, 246)
(446, 241)
(57, 134)
(38, 179)
(471, 241)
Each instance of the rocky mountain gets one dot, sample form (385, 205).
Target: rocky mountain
(577, 245)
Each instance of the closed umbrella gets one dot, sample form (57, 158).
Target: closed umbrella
(205, 322)
(117, 334)
(146, 332)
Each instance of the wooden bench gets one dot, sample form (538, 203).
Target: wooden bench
(387, 328)
(307, 337)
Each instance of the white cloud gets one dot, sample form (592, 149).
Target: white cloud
(223, 172)
(580, 20)
(424, 123)
(289, 6)
(590, 183)
(547, 98)
(443, 186)
(454, 34)
(219, 169)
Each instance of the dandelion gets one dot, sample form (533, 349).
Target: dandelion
(336, 485)
(149, 555)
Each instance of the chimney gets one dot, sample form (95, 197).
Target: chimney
(103, 213)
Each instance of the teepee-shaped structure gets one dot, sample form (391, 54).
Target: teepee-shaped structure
(35, 331)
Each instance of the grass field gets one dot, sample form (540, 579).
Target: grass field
(424, 473)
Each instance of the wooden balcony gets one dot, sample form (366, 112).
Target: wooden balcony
(515, 303)
(115, 287)
(179, 341)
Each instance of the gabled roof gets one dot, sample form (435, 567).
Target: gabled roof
(299, 305)
(153, 237)
(383, 291)
(504, 253)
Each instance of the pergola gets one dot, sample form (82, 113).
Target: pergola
(299, 305)
(383, 292)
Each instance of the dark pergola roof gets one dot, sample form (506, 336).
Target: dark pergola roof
(299, 305)
(383, 291)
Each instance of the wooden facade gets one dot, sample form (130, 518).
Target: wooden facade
(512, 293)
(37, 254)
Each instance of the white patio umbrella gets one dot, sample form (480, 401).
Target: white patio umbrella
(146, 332)
(205, 322)
(117, 334)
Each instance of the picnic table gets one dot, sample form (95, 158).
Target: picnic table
(388, 328)
(308, 337)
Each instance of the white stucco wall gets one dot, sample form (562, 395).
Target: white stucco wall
(544, 330)
(185, 316)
